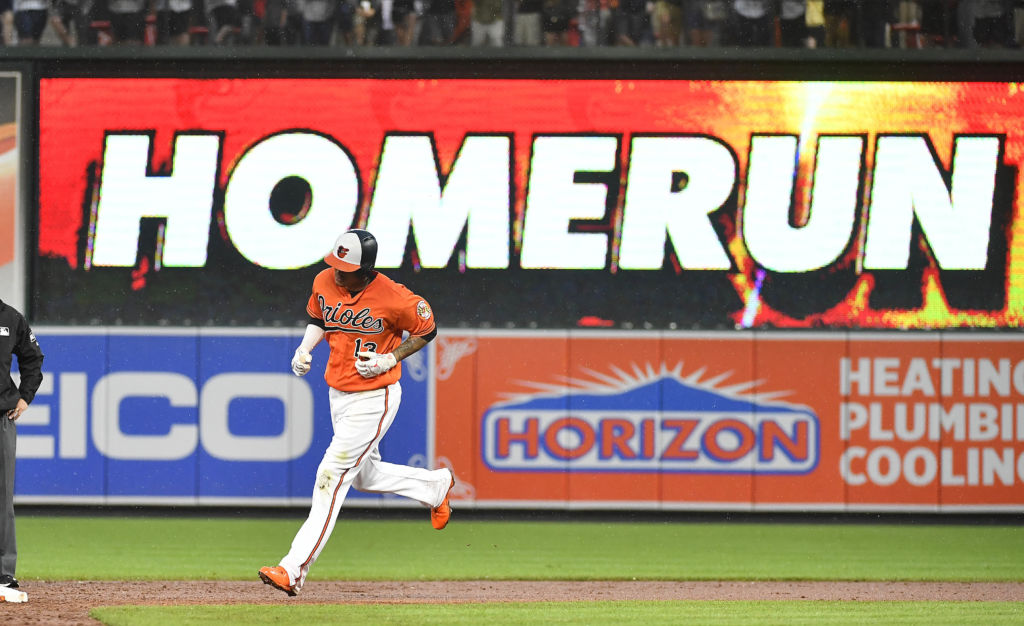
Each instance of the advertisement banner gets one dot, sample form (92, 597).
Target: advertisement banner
(705, 204)
(191, 417)
(745, 421)
(12, 272)
(734, 421)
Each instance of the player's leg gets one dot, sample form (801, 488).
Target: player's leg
(428, 487)
(8, 545)
(360, 421)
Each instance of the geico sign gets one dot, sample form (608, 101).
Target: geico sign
(907, 185)
(181, 439)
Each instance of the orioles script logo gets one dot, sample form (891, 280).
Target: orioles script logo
(339, 318)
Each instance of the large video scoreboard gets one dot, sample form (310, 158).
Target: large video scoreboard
(526, 202)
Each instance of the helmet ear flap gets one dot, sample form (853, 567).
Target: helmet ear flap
(368, 243)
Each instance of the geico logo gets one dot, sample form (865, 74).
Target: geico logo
(671, 441)
(103, 423)
(908, 186)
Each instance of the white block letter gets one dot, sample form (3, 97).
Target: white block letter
(408, 194)
(334, 186)
(770, 239)
(221, 443)
(128, 194)
(554, 200)
(180, 440)
(653, 208)
(907, 182)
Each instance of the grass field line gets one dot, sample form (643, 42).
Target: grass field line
(157, 548)
(612, 613)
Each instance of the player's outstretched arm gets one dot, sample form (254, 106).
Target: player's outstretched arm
(302, 358)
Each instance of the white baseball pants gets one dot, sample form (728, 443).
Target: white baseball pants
(361, 419)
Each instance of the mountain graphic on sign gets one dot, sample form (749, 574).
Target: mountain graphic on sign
(649, 389)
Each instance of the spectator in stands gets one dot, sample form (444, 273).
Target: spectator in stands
(557, 16)
(127, 21)
(667, 22)
(923, 23)
(438, 23)
(793, 24)
(275, 19)
(29, 20)
(876, 15)
(704, 21)
(403, 16)
(386, 28)
(908, 17)
(840, 23)
(1017, 15)
(814, 21)
(632, 23)
(173, 20)
(248, 22)
(936, 22)
(317, 22)
(345, 20)
(966, 11)
(366, 22)
(293, 22)
(225, 21)
(67, 19)
(488, 23)
(7, 22)
(752, 23)
(527, 31)
(992, 23)
(594, 22)
(463, 22)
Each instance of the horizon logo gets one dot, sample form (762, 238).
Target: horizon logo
(698, 429)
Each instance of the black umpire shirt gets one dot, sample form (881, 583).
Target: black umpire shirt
(16, 338)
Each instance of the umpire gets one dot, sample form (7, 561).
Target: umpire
(16, 338)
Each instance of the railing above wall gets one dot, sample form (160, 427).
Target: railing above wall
(727, 62)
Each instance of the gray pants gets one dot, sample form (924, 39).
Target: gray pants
(8, 546)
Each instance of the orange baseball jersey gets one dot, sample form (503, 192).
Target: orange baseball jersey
(372, 319)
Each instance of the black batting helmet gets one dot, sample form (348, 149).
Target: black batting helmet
(354, 250)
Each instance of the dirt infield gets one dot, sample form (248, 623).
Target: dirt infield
(66, 602)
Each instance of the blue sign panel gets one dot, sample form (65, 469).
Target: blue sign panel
(189, 416)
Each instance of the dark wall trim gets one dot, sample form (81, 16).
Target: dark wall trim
(564, 63)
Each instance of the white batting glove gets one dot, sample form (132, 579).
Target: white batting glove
(301, 361)
(371, 364)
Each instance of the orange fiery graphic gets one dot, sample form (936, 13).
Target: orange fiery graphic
(939, 110)
(362, 111)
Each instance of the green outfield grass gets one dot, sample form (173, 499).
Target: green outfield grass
(617, 613)
(111, 548)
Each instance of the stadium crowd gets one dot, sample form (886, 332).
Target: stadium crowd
(662, 23)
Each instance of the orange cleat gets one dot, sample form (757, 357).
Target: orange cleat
(277, 577)
(440, 514)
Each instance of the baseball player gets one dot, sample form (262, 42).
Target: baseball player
(363, 314)
(16, 339)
